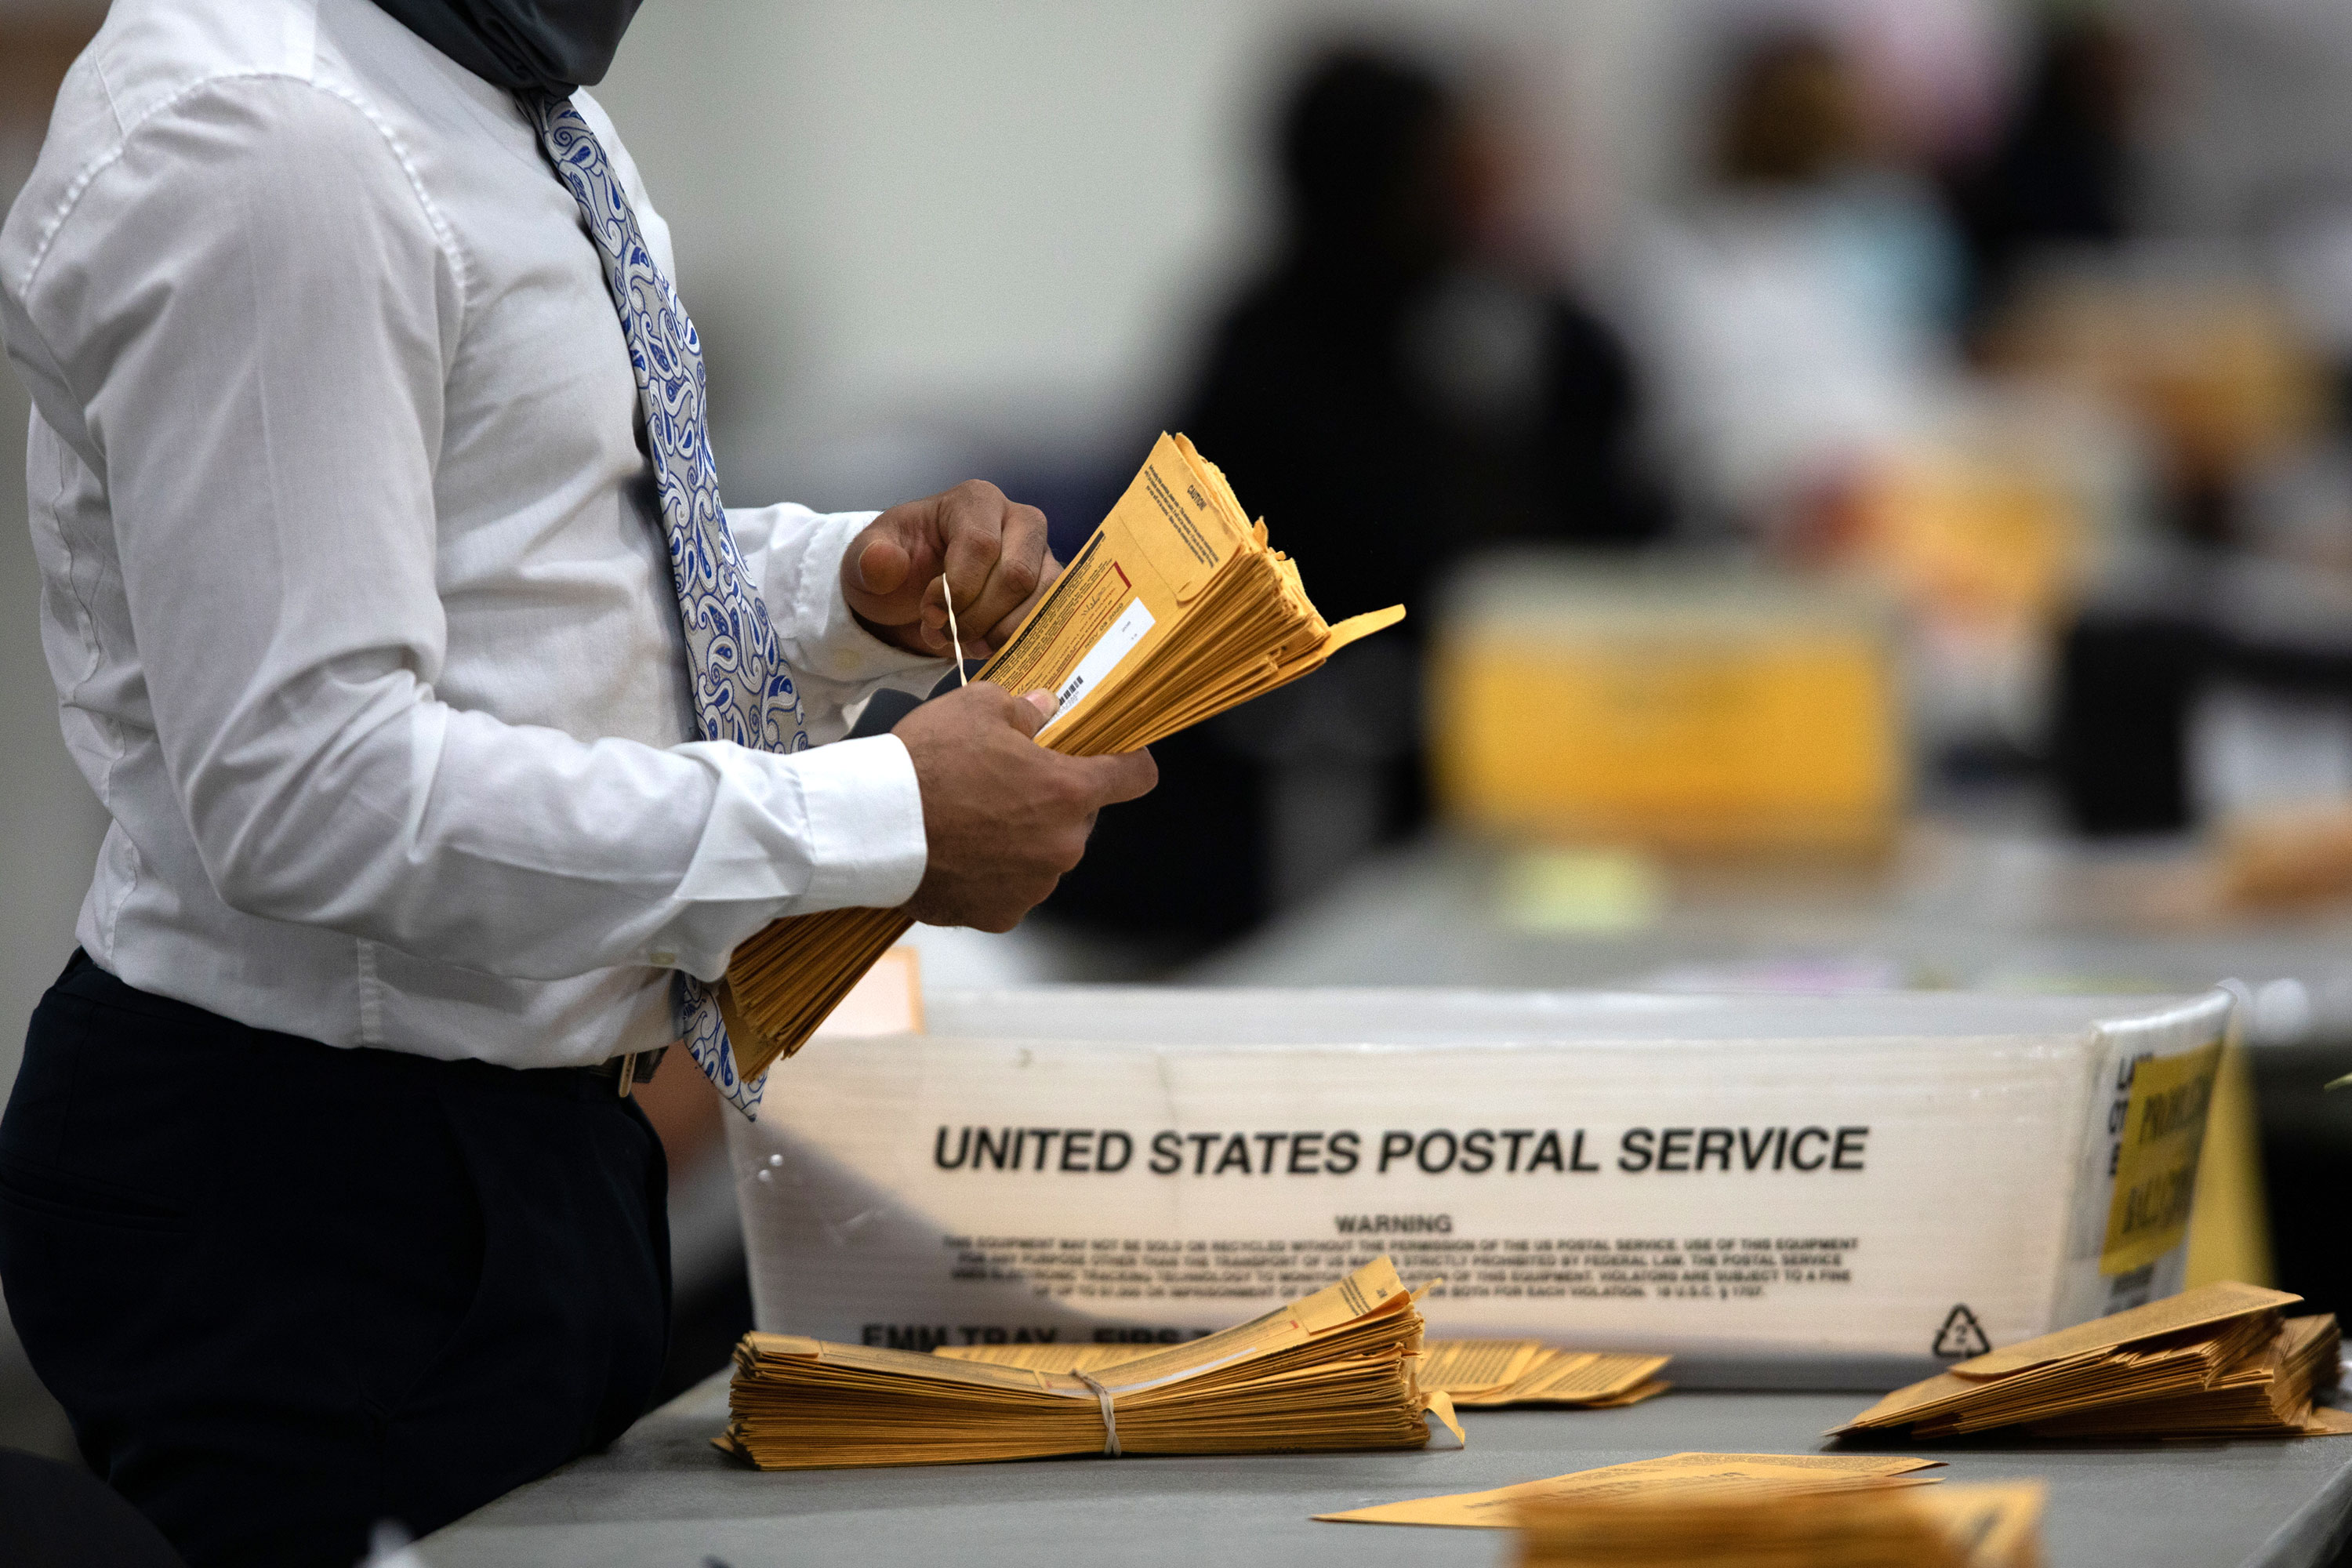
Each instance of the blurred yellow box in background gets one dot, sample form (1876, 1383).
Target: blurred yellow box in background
(1684, 708)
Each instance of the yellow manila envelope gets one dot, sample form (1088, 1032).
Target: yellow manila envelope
(1592, 1378)
(2000, 1524)
(1931, 1527)
(1691, 1475)
(1463, 1367)
(1588, 1375)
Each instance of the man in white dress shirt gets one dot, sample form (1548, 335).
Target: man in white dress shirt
(318, 1202)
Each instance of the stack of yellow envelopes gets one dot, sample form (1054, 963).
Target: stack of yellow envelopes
(2221, 1360)
(1174, 611)
(2268, 1392)
(1334, 1371)
(1995, 1526)
(1485, 1374)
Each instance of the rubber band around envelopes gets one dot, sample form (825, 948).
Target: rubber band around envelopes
(1110, 1411)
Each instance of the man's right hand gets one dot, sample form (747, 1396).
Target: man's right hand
(1004, 817)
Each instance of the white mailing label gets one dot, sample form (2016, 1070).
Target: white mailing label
(1102, 658)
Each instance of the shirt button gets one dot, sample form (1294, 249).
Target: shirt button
(666, 957)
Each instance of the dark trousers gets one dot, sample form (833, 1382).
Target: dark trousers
(285, 1290)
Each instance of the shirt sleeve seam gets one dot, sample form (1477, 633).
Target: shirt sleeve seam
(444, 237)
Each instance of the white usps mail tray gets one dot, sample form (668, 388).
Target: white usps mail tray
(1825, 1192)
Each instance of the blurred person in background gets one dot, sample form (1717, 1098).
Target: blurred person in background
(2063, 173)
(1398, 391)
(1799, 309)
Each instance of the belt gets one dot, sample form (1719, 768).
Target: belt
(626, 1072)
(86, 980)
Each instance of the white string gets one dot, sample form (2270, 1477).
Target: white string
(1111, 1417)
(955, 636)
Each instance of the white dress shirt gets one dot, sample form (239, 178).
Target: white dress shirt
(358, 612)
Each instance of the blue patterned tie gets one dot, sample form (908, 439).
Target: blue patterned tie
(743, 691)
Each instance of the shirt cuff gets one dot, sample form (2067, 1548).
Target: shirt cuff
(833, 642)
(833, 827)
(866, 825)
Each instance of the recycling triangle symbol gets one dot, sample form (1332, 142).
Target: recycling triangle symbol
(1962, 1336)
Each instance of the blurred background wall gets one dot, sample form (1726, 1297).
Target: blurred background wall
(2026, 324)
(922, 232)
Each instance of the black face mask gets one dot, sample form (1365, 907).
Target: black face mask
(523, 46)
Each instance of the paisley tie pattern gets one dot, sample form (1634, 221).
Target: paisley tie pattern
(743, 690)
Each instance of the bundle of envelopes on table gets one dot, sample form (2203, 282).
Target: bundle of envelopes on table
(1485, 1374)
(2223, 1360)
(1174, 611)
(1334, 1371)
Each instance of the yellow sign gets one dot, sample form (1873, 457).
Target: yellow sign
(2156, 1164)
(1788, 738)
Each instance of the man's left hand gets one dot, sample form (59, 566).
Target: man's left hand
(992, 552)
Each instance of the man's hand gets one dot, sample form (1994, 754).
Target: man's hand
(1005, 816)
(992, 552)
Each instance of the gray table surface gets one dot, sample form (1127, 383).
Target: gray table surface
(662, 1496)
